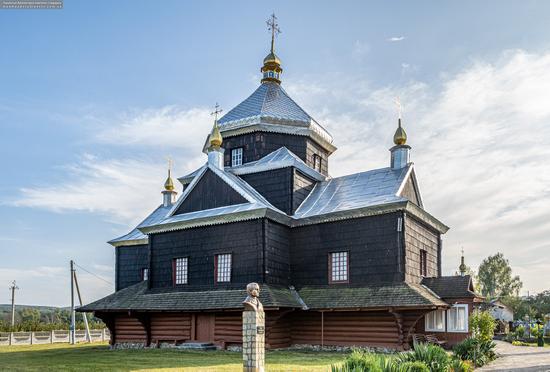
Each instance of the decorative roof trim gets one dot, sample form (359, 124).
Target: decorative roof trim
(127, 243)
(188, 189)
(426, 217)
(206, 221)
(412, 175)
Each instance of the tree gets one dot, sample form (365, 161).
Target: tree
(495, 278)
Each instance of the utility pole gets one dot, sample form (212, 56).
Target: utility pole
(72, 327)
(12, 289)
(88, 336)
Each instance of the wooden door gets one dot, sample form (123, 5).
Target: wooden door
(205, 327)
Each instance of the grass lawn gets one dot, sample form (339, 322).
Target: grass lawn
(98, 357)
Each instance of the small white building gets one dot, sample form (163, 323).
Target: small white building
(500, 311)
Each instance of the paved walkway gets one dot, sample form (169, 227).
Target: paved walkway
(519, 358)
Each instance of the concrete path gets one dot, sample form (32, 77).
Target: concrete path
(519, 358)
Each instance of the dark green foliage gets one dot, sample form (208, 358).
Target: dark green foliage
(411, 367)
(495, 278)
(457, 365)
(433, 356)
(42, 318)
(361, 361)
(478, 351)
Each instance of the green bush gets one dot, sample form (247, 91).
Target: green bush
(475, 350)
(433, 356)
(520, 343)
(411, 367)
(519, 332)
(457, 365)
(482, 325)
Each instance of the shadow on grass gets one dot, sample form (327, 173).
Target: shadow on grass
(101, 358)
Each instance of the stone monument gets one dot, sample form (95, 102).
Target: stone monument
(253, 331)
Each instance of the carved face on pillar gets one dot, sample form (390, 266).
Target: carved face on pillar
(252, 303)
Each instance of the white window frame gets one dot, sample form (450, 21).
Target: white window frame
(181, 270)
(450, 324)
(433, 314)
(237, 156)
(224, 262)
(339, 267)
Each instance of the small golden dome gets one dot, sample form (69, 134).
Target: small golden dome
(216, 138)
(400, 137)
(272, 58)
(169, 184)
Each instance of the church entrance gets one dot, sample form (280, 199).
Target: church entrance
(204, 327)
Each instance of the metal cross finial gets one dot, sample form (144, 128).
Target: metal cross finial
(462, 251)
(216, 112)
(273, 26)
(399, 107)
(170, 163)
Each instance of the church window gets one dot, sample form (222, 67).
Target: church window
(338, 267)
(179, 270)
(222, 267)
(145, 274)
(457, 318)
(317, 162)
(237, 157)
(435, 321)
(423, 263)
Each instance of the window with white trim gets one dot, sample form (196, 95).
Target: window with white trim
(317, 162)
(338, 267)
(223, 268)
(236, 157)
(145, 273)
(179, 267)
(435, 321)
(457, 318)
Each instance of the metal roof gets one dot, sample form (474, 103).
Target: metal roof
(280, 158)
(271, 107)
(135, 236)
(360, 190)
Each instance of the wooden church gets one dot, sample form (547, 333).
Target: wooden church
(352, 260)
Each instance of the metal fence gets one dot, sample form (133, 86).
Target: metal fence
(51, 337)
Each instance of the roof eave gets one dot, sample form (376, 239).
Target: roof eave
(121, 243)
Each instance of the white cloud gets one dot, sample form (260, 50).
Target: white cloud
(479, 146)
(396, 38)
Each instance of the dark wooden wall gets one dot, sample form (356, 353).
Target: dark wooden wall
(259, 144)
(129, 262)
(243, 239)
(210, 192)
(274, 185)
(129, 329)
(372, 243)
(277, 255)
(302, 186)
(410, 192)
(418, 236)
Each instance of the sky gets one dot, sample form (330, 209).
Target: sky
(95, 97)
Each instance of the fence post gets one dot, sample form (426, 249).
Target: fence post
(32, 335)
(11, 338)
(51, 336)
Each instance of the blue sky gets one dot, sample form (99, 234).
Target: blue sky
(94, 97)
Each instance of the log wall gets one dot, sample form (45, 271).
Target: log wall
(170, 327)
(129, 330)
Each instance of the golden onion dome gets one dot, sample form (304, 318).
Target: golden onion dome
(272, 58)
(215, 138)
(169, 184)
(400, 137)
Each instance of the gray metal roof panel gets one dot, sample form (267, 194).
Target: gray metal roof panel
(360, 190)
(136, 235)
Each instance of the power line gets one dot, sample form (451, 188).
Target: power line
(91, 273)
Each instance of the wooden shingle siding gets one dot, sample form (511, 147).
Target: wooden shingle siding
(210, 192)
(242, 239)
(277, 254)
(259, 144)
(419, 237)
(274, 185)
(302, 186)
(371, 243)
(410, 192)
(130, 260)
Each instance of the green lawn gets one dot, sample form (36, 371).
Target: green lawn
(98, 357)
